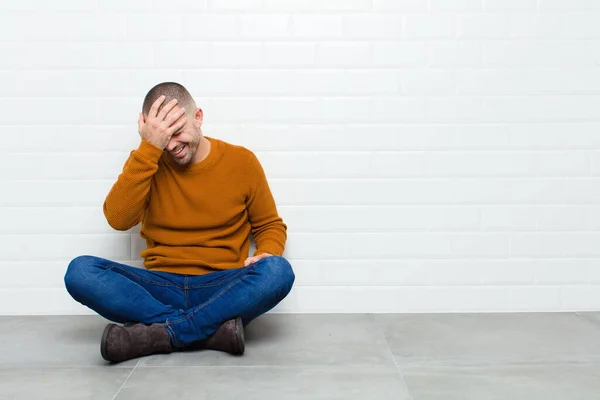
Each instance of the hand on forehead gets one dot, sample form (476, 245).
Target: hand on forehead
(168, 103)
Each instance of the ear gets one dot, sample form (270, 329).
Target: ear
(198, 117)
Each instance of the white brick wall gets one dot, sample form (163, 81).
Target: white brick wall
(427, 155)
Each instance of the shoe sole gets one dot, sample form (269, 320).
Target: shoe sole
(239, 330)
(103, 350)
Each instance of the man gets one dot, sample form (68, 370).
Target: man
(198, 199)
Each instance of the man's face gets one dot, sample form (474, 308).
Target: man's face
(184, 143)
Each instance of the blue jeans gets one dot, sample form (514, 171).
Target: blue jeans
(191, 307)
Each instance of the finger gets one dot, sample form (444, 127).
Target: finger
(174, 115)
(165, 110)
(155, 106)
(177, 125)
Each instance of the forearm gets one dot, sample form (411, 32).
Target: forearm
(268, 228)
(126, 201)
(271, 238)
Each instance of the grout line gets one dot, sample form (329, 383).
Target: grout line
(126, 379)
(392, 355)
(274, 366)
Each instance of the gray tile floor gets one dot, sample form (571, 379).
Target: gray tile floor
(319, 356)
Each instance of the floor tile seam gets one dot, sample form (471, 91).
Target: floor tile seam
(73, 366)
(380, 329)
(453, 364)
(291, 367)
(126, 379)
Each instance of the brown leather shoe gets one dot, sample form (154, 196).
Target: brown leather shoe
(228, 338)
(120, 343)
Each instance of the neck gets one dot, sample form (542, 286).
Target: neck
(202, 151)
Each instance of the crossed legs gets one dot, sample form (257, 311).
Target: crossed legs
(191, 308)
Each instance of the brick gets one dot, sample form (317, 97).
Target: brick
(313, 26)
(538, 25)
(180, 5)
(372, 26)
(428, 81)
(210, 26)
(198, 54)
(559, 136)
(343, 54)
(66, 166)
(508, 218)
(483, 26)
(421, 26)
(400, 5)
(561, 271)
(380, 218)
(510, 5)
(75, 220)
(100, 27)
(154, 27)
(423, 245)
(580, 297)
(233, 109)
(582, 25)
(65, 247)
(542, 54)
(36, 27)
(456, 5)
(272, 26)
(399, 54)
(234, 5)
(289, 54)
(574, 5)
(55, 193)
(532, 298)
(130, 6)
(40, 5)
(81, 111)
(317, 6)
(445, 54)
(407, 191)
(544, 244)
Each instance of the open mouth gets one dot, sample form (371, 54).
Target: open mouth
(180, 152)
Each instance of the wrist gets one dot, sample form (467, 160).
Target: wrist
(154, 143)
(149, 150)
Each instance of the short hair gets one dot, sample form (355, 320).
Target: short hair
(171, 90)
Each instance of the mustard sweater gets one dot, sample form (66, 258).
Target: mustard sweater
(196, 219)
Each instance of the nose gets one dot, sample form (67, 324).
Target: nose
(172, 144)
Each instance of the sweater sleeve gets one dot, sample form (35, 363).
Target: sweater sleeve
(129, 196)
(268, 228)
